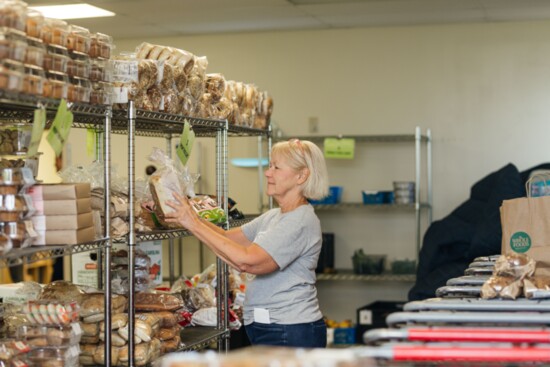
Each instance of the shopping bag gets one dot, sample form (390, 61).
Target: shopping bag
(526, 229)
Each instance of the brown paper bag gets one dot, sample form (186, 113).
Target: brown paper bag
(526, 229)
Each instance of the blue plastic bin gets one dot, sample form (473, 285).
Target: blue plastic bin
(377, 197)
(334, 196)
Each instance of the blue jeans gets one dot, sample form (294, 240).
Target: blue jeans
(307, 335)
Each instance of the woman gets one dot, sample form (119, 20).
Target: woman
(281, 247)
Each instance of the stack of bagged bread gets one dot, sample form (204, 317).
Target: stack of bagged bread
(250, 106)
(156, 329)
(175, 81)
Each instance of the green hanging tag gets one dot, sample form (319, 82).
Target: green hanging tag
(38, 124)
(339, 148)
(184, 147)
(61, 127)
(90, 142)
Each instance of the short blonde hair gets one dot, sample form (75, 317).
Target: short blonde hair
(300, 154)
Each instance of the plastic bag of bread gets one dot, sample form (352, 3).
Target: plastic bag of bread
(215, 85)
(518, 266)
(141, 355)
(116, 339)
(99, 355)
(157, 301)
(61, 290)
(117, 321)
(169, 178)
(506, 287)
(86, 357)
(166, 318)
(93, 305)
(168, 333)
(536, 287)
(170, 345)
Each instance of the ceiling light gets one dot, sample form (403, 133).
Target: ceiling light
(73, 11)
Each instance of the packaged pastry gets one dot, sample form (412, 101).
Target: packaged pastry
(125, 78)
(12, 348)
(171, 102)
(12, 180)
(33, 80)
(101, 45)
(56, 85)
(34, 23)
(13, 44)
(55, 32)
(15, 138)
(94, 303)
(79, 65)
(506, 287)
(35, 52)
(78, 39)
(99, 355)
(117, 321)
(11, 75)
(99, 70)
(101, 93)
(56, 59)
(13, 14)
(54, 357)
(514, 265)
(79, 90)
(170, 345)
(12, 208)
(50, 335)
(18, 233)
(141, 355)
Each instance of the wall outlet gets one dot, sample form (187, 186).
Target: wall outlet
(313, 124)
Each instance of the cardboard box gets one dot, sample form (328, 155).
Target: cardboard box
(64, 237)
(61, 222)
(60, 191)
(63, 207)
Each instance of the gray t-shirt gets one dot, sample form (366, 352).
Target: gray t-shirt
(293, 240)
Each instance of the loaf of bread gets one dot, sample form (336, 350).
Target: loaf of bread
(89, 329)
(117, 321)
(162, 187)
(171, 345)
(166, 318)
(116, 339)
(99, 355)
(94, 303)
(61, 290)
(141, 355)
(168, 333)
(157, 302)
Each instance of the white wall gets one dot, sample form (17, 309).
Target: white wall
(483, 90)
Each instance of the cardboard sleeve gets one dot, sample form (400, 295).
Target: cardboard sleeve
(63, 207)
(62, 222)
(64, 237)
(60, 191)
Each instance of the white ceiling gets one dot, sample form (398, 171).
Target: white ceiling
(159, 18)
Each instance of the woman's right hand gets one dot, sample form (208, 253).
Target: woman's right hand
(183, 213)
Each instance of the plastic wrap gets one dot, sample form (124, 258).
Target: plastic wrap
(170, 177)
(505, 287)
(47, 312)
(158, 302)
(50, 336)
(61, 290)
(514, 265)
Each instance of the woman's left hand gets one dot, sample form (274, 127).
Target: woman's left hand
(183, 213)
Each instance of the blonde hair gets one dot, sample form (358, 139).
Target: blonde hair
(300, 154)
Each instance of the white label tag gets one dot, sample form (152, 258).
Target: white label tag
(120, 95)
(365, 317)
(77, 330)
(261, 315)
(239, 299)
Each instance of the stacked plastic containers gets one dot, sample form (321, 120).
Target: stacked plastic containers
(15, 208)
(53, 333)
(13, 353)
(48, 57)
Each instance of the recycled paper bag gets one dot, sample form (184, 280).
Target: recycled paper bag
(526, 229)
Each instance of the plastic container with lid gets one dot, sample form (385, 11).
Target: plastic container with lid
(33, 80)
(78, 39)
(17, 232)
(11, 75)
(51, 335)
(100, 70)
(56, 85)
(55, 32)
(36, 50)
(13, 14)
(13, 44)
(101, 45)
(79, 65)
(56, 59)
(13, 180)
(18, 161)
(15, 138)
(101, 93)
(53, 357)
(79, 90)
(12, 208)
(34, 23)
(10, 348)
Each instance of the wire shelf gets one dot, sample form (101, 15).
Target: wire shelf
(234, 130)
(346, 275)
(196, 338)
(369, 206)
(32, 254)
(397, 138)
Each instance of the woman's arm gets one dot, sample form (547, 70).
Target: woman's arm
(232, 246)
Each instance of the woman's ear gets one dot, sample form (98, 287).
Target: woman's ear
(304, 174)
